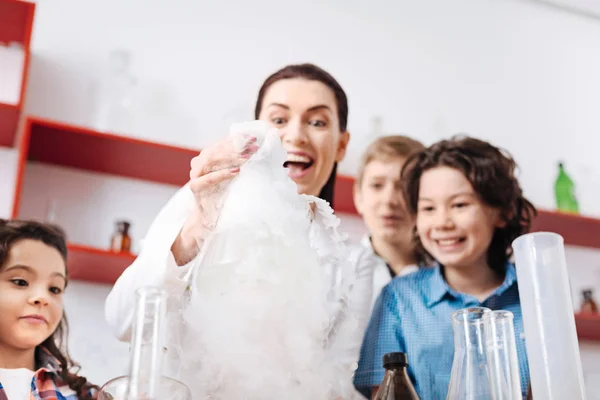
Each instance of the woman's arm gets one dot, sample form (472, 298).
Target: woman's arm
(175, 237)
(156, 265)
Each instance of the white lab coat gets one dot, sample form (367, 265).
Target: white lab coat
(156, 266)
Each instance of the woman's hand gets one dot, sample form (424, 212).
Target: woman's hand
(210, 173)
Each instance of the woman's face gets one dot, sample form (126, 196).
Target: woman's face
(305, 112)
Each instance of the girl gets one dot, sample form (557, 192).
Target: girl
(34, 362)
(469, 208)
(310, 110)
(378, 199)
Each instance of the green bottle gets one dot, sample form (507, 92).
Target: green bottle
(564, 191)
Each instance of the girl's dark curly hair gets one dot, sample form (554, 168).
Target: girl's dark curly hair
(13, 231)
(491, 172)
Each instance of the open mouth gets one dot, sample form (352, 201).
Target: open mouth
(450, 242)
(298, 165)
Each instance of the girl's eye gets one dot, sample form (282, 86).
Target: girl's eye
(55, 290)
(278, 121)
(19, 282)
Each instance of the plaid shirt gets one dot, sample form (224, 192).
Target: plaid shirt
(46, 383)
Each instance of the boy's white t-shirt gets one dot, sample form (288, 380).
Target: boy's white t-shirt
(16, 383)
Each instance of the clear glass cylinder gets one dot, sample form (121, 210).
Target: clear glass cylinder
(147, 342)
(548, 318)
(145, 379)
(502, 359)
(469, 379)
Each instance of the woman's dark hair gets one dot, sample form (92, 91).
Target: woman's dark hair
(313, 73)
(13, 231)
(491, 172)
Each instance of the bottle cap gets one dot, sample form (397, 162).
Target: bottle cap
(391, 360)
(123, 224)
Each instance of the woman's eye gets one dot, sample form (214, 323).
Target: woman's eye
(318, 123)
(278, 121)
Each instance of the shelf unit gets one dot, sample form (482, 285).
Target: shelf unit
(85, 149)
(16, 25)
(81, 148)
(96, 265)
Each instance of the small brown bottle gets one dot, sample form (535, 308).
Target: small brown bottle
(120, 241)
(396, 385)
(588, 305)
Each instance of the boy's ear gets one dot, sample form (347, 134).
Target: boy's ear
(503, 218)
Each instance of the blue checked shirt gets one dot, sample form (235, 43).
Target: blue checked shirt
(413, 315)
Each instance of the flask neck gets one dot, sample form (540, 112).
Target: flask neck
(147, 342)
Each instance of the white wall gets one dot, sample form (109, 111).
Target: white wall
(522, 75)
(8, 176)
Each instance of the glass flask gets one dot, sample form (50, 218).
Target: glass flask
(469, 379)
(502, 359)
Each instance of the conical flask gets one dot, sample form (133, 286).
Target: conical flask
(485, 365)
(469, 379)
(145, 380)
(502, 359)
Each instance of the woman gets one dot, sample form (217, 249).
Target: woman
(310, 110)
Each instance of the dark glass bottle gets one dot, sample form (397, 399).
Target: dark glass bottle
(588, 305)
(396, 384)
(120, 241)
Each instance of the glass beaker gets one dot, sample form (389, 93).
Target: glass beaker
(169, 389)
